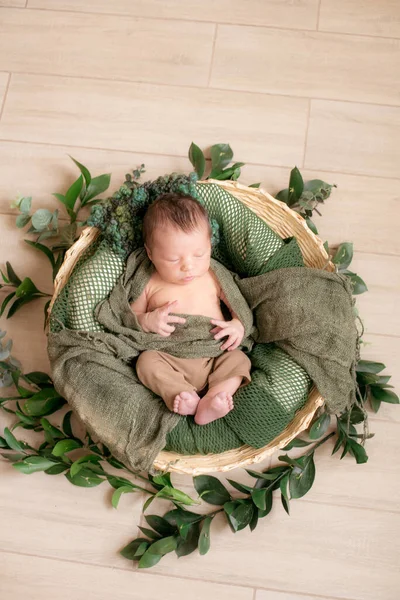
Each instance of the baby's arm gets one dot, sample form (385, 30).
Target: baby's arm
(139, 307)
(233, 329)
(155, 321)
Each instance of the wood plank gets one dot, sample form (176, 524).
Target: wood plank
(301, 14)
(117, 48)
(47, 515)
(274, 595)
(83, 582)
(361, 209)
(353, 138)
(378, 306)
(3, 86)
(13, 3)
(38, 170)
(361, 16)
(385, 349)
(324, 539)
(310, 64)
(155, 119)
(349, 214)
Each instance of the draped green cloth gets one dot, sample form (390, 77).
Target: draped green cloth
(307, 313)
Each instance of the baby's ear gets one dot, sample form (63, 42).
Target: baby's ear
(148, 251)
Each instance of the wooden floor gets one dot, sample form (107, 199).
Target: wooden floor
(312, 83)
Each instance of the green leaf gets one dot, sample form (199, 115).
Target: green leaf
(176, 495)
(259, 498)
(85, 478)
(81, 462)
(163, 546)
(241, 516)
(160, 481)
(384, 395)
(39, 378)
(221, 156)
(130, 551)
(160, 525)
(285, 504)
(211, 490)
(27, 288)
(147, 503)
(53, 431)
(33, 464)
(368, 366)
(85, 172)
(204, 540)
(344, 255)
(358, 285)
(264, 512)
(22, 220)
(64, 446)
(301, 480)
(44, 403)
(41, 219)
(245, 489)
(296, 443)
(57, 469)
(12, 276)
(97, 186)
(66, 425)
(270, 475)
(3, 443)
(255, 185)
(25, 204)
(197, 159)
(73, 192)
(311, 225)
(6, 300)
(189, 544)
(151, 534)
(320, 426)
(44, 249)
(296, 186)
(11, 441)
(118, 493)
(357, 451)
(149, 559)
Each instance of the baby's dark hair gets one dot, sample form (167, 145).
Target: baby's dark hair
(183, 212)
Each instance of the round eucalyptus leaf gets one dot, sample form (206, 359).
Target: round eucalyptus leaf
(41, 219)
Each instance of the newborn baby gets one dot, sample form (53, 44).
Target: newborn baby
(177, 238)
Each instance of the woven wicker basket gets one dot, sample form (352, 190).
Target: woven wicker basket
(285, 222)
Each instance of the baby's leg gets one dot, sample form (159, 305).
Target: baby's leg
(160, 372)
(231, 369)
(217, 402)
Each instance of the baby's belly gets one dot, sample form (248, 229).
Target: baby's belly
(187, 306)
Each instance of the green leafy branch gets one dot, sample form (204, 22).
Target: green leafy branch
(83, 192)
(180, 530)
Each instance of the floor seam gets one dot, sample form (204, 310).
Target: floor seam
(230, 90)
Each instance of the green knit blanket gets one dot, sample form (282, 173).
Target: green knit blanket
(306, 312)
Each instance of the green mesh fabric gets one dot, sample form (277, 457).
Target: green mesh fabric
(92, 279)
(245, 241)
(247, 246)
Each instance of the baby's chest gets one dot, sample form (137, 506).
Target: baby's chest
(200, 298)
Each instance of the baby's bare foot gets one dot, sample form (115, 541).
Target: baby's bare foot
(186, 403)
(213, 407)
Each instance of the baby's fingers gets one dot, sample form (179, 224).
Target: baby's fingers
(222, 333)
(229, 342)
(173, 319)
(167, 328)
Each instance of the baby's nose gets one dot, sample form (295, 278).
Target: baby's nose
(186, 266)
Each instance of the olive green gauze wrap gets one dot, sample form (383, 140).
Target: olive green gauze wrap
(308, 313)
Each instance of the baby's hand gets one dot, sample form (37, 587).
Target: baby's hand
(157, 321)
(233, 329)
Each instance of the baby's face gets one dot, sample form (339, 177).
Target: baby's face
(180, 257)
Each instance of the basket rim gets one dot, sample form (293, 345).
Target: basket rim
(258, 200)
